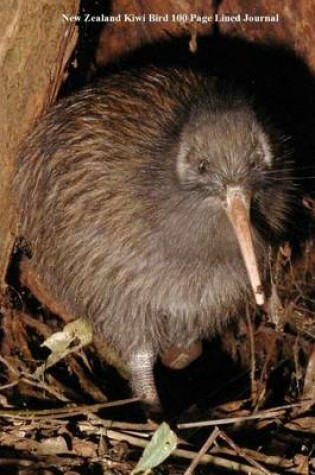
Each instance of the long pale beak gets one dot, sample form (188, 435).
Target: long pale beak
(238, 209)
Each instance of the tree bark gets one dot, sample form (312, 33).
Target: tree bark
(35, 45)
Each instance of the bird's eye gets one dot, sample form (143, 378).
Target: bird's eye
(203, 166)
(257, 159)
(252, 163)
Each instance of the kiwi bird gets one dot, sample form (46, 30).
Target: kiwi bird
(150, 200)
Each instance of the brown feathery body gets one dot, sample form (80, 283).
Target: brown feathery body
(120, 190)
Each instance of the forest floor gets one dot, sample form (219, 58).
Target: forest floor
(250, 393)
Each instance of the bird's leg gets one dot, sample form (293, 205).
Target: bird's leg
(143, 385)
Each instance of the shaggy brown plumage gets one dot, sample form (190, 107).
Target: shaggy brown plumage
(120, 190)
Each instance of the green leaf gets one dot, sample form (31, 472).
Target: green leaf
(162, 444)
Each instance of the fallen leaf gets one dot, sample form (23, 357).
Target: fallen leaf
(72, 338)
(162, 444)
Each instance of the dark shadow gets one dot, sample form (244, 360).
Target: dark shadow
(212, 379)
(82, 61)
